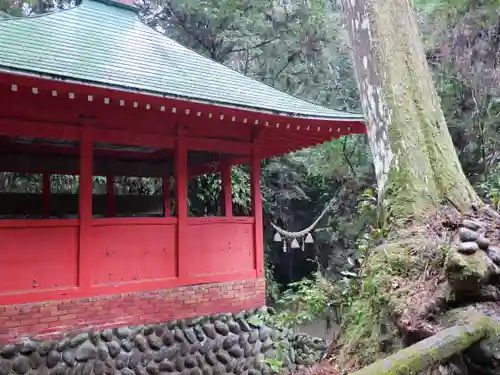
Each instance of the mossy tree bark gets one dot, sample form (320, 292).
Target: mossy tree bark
(416, 166)
(415, 160)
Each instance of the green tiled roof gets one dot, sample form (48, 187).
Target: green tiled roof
(104, 44)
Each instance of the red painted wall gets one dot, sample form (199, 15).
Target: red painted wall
(50, 320)
(128, 253)
(40, 258)
(219, 247)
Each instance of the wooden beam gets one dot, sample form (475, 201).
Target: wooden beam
(181, 205)
(46, 195)
(110, 196)
(33, 129)
(226, 193)
(167, 209)
(85, 210)
(102, 167)
(257, 211)
(219, 145)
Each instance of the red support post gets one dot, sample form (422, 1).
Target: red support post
(181, 204)
(46, 195)
(257, 211)
(85, 209)
(167, 209)
(110, 195)
(226, 193)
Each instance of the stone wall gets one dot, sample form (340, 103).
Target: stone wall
(240, 344)
(53, 319)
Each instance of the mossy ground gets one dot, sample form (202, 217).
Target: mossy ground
(400, 281)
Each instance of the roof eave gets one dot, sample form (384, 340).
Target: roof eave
(352, 118)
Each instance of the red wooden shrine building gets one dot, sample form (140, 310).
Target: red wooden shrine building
(90, 92)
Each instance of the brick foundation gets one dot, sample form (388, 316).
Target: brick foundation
(52, 319)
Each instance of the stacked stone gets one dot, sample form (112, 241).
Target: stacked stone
(473, 264)
(472, 239)
(212, 345)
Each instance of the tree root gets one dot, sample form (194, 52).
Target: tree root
(433, 350)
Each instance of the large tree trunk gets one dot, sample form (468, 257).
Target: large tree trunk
(415, 160)
(417, 170)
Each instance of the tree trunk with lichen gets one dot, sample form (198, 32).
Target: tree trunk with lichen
(417, 168)
(415, 160)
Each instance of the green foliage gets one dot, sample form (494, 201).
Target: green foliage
(303, 302)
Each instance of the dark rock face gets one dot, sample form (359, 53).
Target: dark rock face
(219, 344)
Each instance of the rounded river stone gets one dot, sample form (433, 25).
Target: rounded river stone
(107, 335)
(198, 331)
(468, 247)
(140, 370)
(121, 361)
(114, 349)
(179, 364)
(152, 368)
(217, 345)
(493, 253)
(141, 343)
(179, 336)
(265, 333)
(234, 327)
(123, 332)
(190, 335)
(127, 371)
(86, 351)
(21, 365)
(236, 352)
(28, 347)
(5, 367)
(155, 342)
(206, 370)
(36, 360)
(230, 341)
(8, 351)
(253, 336)
(211, 358)
(223, 358)
(190, 361)
(166, 366)
(45, 347)
(466, 234)
(127, 345)
(209, 330)
(194, 348)
(99, 368)
(53, 358)
(483, 242)
(160, 355)
(168, 338)
(244, 325)
(471, 224)
(78, 340)
(135, 358)
(221, 328)
(69, 358)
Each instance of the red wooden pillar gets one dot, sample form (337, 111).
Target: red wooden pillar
(181, 204)
(110, 196)
(257, 211)
(226, 194)
(46, 195)
(167, 209)
(85, 209)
